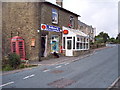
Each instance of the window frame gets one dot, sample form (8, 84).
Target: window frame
(55, 12)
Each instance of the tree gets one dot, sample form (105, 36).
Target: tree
(118, 38)
(102, 37)
(112, 40)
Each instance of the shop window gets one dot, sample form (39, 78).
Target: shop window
(54, 16)
(84, 45)
(73, 42)
(87, 40)
(84, 39)
(63, 42)
(80, 45)
(54, 43)
(69, 37)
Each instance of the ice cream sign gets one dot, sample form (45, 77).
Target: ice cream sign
(50, 28)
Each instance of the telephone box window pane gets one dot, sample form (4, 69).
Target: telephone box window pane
(14, 46)
(21, 49)
(73, 42)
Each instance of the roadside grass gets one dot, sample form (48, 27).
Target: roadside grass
(21, 66)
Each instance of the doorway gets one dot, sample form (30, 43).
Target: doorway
(43, 46)
(69, 51)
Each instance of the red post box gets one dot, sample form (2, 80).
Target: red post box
(18, 47)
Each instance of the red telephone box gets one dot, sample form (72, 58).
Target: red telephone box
(18, 47)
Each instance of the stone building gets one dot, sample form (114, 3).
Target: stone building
(24, 19)
(87, 29)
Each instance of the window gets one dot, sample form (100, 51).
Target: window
(54, 16)
(69, 44)
(69, 37)
(71, 22)
(78, 39)
(54, 43)
(84, 39)
(63, 42)
(81, 39)
(87, 46)
(78, 45)
(82, 43)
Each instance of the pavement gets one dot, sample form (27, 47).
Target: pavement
(55, 61)
(63, 59)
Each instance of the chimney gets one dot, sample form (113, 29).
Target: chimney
(59, 2)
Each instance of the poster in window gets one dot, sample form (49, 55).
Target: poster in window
(54, 16)
(55, 44)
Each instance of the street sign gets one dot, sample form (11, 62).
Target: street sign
(50, 28)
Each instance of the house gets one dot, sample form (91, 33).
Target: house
(38, 24)
(87, 29)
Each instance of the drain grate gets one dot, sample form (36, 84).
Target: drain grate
(57, 71)
(61, 83)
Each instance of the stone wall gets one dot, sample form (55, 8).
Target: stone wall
(63, 20)
(21, 19)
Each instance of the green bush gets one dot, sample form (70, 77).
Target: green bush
(14, 60)
(21, 66)
(5, 61)
(7, 68)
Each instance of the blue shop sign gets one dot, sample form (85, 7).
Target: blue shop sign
(50, 28)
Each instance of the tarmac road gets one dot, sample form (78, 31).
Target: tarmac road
(99, 70)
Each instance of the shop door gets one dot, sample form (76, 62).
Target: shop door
(69, 51)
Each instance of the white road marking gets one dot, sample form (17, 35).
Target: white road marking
(58, 67)
(114, 83)
(29, 76)
(46, 70)
(67, 63)
(6, 84)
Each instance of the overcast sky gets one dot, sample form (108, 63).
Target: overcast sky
(101, 14)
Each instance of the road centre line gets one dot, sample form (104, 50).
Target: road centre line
(29, 76)
(46, 70)
(58, 66)
(6, 84)
(67, 63)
